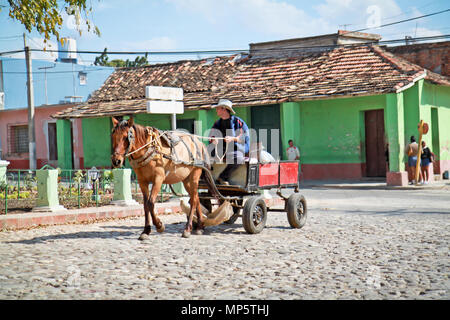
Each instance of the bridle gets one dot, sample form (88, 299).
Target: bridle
(130, 139)
(152, 152)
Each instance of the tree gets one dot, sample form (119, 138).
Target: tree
(45, 15)
(102, 60)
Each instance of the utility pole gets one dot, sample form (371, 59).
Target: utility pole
(30, 96)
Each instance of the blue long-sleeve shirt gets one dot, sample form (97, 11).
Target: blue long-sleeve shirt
(234, 126)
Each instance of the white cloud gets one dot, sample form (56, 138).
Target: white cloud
(154, 44)
(358, 14)
(267, 16)
(424, 32)
(277, 18)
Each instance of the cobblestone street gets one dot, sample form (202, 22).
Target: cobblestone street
(356, 244)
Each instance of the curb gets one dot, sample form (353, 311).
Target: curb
(89, 215)
(362, 186)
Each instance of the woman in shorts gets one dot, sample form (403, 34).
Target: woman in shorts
(426, 158)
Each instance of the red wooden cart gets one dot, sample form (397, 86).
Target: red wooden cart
(244, 195)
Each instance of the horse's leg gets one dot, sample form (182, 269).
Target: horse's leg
(147, 228)
(188, 228)
(200, 227)
(191, 186)
(153, 195)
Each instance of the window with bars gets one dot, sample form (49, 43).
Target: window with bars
(18, 139)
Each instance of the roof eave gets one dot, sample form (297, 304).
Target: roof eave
(413, 82)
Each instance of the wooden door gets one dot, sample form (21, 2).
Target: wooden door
(52, 142)
(375, 144)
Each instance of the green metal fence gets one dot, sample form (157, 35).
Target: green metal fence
(76, 189)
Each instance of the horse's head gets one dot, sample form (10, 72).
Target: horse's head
(122, 137)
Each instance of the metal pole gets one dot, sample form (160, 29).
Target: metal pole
(30, 96)
(45, 81)
(417, 169)
(174, 121)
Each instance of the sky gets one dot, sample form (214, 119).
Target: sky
(190, 25)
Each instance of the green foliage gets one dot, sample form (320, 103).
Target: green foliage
(29, 180)
(45, 15)
(107, 176)
(102, 60)
(15, 195)
(78, 176)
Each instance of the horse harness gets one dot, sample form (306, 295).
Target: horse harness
(154, 149)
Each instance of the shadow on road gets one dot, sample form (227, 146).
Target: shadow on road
(133, 234)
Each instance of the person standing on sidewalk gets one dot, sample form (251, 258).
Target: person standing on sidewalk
(292, 152)
(426, 158)
(412, 151)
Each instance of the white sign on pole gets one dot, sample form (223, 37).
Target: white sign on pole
(164, 93)
(165, 107)
(164, 100)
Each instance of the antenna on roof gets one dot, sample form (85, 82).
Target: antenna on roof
(345, 25)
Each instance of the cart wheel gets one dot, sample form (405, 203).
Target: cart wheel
(296, 210)
(254, 215)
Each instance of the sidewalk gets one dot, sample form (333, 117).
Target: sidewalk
(372, 183)
(90, 215)
(96, 214)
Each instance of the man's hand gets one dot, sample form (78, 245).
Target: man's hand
(230, 139)
(214, 141)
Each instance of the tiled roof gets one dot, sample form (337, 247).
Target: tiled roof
(344, 71)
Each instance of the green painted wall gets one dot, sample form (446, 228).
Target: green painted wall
(160, 121)
(437, 98)
(97, 142)
(64, 143)
(326, 131)
(411, 112)
(395, 130)
(330, 130)
(290, 128)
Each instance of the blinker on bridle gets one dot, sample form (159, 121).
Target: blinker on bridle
(130, 137)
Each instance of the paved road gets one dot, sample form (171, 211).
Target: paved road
(357, 244)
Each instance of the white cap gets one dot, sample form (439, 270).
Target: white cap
(226, 104)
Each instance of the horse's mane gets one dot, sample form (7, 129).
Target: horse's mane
(140, 132)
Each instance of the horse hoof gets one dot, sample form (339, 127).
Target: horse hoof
(144, 236)
(186, 234)
(198, 232)
(162, 228)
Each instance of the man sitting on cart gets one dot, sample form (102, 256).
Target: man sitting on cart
(236, 138)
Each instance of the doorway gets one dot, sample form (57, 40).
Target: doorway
(186, 124)
(52, 142)
(375, 143)
(263, 119)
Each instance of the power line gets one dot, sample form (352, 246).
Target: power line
(397, 15)
(56, 72)
(255, 50)
(235, 51)
(402, 21)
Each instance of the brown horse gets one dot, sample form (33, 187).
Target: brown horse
(155, 161)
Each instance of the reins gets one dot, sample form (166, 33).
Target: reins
(159, 146)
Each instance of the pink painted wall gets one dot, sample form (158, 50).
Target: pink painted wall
(42, 118)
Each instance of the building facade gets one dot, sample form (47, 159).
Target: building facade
(57, 86)
(344, 107)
